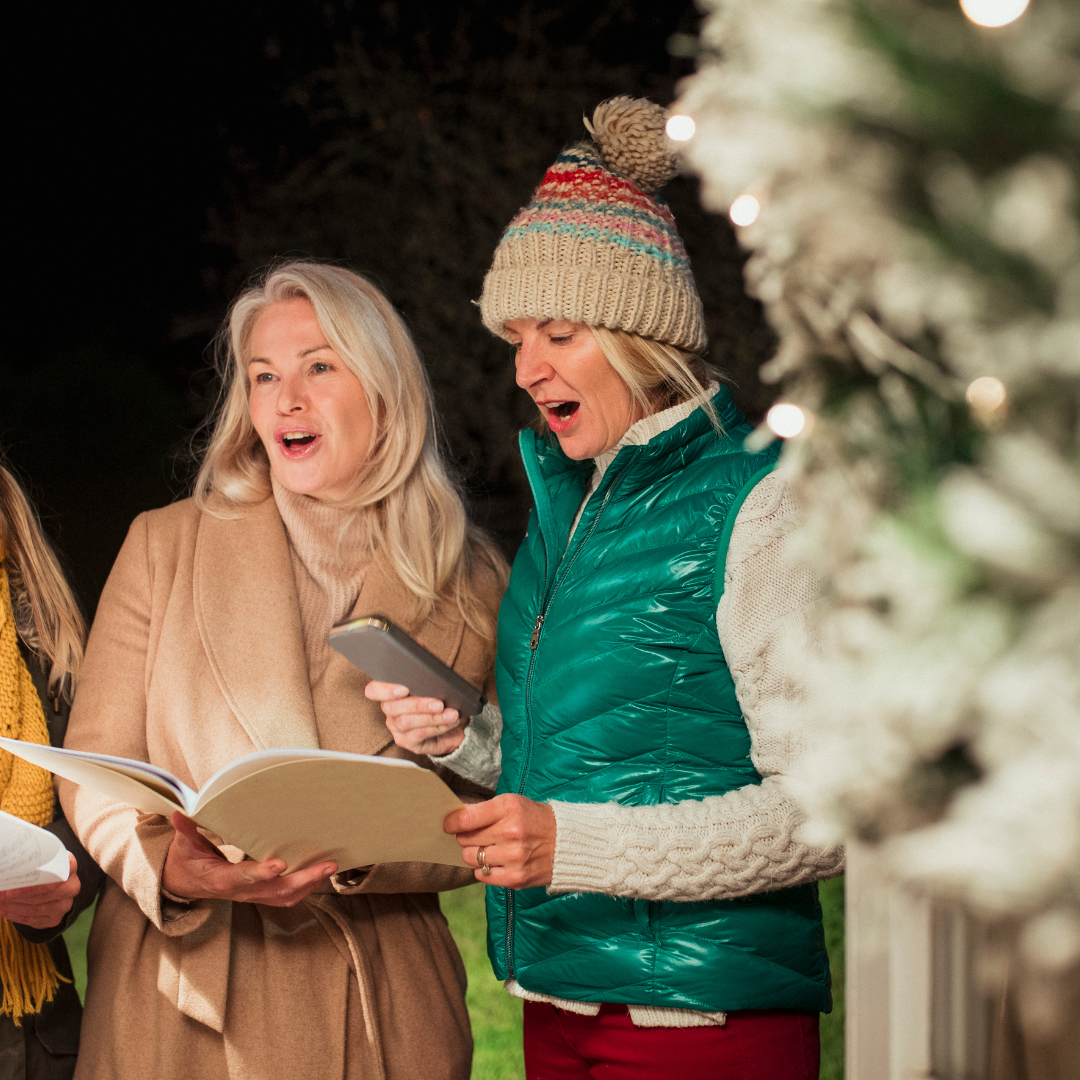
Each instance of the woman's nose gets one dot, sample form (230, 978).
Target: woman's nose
(530, 365)
(291, 396)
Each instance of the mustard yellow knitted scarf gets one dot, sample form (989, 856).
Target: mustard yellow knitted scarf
(27, 971)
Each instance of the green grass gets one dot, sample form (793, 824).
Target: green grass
(831, 893)
(496, 1016)
(75, 936)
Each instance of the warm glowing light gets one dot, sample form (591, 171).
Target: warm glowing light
(993, 12)
(786, 420)
(986, 395)
(680, 128)
(744, 211)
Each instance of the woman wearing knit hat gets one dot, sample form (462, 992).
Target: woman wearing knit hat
(41, 643)
(322, 495)
(649, 897)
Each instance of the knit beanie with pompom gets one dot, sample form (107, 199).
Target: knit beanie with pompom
(597, 244)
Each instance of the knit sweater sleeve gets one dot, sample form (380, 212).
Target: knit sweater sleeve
(479, 757)
(746, 841)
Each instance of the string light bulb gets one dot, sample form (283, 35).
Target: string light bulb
(787, 420)
(986, 396)
(744, 210)
(680, 128)
(993, 12)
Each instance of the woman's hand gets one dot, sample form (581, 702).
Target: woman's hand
(421, 725)
(196, 870)
(41, 906)
(517, 835)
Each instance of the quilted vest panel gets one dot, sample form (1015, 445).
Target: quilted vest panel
(613, 687)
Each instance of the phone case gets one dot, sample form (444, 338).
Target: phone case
(386, 653)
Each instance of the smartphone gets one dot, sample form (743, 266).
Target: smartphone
(386, 653)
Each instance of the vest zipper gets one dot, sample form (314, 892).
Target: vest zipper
(534, 641)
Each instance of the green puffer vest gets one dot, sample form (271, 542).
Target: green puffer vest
(613, 687)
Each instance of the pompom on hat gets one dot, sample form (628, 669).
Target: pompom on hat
(597, 244)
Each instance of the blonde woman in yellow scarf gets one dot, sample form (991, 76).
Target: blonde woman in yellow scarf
(41, 641)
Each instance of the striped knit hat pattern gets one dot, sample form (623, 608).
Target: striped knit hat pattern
(597, 244)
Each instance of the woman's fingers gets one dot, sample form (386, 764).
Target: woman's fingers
(426, 710)
(256, 883)
(420, 725)
(517, 835)
(192, 840)
(41, 906)
(385, 691)
(423, 726)
(195, 869)
(479, 815)
(417, 726)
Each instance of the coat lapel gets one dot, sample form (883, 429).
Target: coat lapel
(347, 720)
(248, 616)
(384, 595)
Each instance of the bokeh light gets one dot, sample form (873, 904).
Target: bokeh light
(786, 420)
(986, 395)
(744, 210)
(680, 128)
(993, 12)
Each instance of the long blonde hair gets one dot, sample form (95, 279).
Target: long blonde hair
(417, 521)
(46, 614)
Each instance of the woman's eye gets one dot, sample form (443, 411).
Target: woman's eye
(263, 377)
(560, 339)
(318, 368)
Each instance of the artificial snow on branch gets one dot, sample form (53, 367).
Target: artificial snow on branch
(917, 248)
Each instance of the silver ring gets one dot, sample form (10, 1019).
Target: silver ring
(482, 860)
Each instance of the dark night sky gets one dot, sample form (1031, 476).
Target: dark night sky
(164, 152)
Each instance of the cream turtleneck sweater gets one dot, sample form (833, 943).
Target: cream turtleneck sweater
(330, 552)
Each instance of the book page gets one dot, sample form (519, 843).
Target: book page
(29, 855)
(346, 808)
(139, 784)
(236, 770)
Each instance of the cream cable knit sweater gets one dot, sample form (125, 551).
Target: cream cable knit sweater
(725, 846)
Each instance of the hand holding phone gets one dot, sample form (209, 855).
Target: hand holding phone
(421, 696)
(420, 725)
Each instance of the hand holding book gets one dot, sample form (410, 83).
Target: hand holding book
(300, 807)
(195, 869)
(38, 881)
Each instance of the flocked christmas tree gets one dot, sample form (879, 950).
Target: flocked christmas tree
(908, 183)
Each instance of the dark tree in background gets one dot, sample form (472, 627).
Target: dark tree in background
(177, 157)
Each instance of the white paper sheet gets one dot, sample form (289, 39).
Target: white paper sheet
(29, 855)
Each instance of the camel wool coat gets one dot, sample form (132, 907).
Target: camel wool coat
(196, 657)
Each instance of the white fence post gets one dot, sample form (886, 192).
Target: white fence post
(915, 1009)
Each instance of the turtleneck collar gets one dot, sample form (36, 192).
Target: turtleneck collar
(330, 551)
(648, 427)
(329, 540)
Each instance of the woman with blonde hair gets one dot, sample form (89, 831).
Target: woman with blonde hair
(41, 646)
(650, 896)
(322, 494)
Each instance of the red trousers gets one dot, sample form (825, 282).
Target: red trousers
(755, 1044)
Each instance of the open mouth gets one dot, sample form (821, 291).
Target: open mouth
(560, 414)
(297, 444)
(297, 439)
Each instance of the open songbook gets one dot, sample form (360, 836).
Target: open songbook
(29, 855)
(303, 806)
